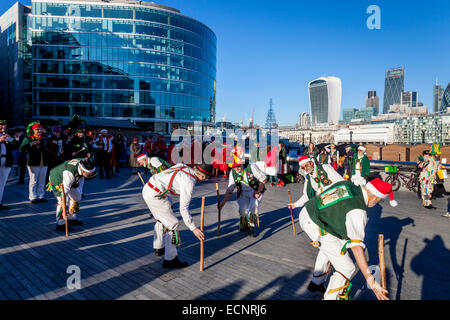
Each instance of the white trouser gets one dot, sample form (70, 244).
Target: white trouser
(37, 182)
(357, 179)
(161, 210)
(4, 173)
(74, 195)
(248, 204)
(329, 252)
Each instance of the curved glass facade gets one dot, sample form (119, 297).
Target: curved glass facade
(121, 60)
(445, 102)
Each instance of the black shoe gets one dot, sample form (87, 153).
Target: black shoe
(20, 182)
(244, 229)
(62, 227)
(34, 201)
(174, 263)
(42, 200)
(83, 195)
(160, 252)
(316, 288)
(134, 173)
(251, 232)
(3, 207)
(75, 222)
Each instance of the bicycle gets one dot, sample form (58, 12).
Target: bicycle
(398, 178)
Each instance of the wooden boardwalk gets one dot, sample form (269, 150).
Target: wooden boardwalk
(113, 248)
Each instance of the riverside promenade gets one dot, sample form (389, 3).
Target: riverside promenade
(113, 248)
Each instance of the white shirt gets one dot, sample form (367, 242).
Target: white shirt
(105, 141)
(355, 223)
(257, 173)
(68, 180)
(182, 185)
(332, 175)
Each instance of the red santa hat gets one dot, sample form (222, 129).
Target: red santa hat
(381, 189)
(36, 125)
(303, 160)
(142, 156)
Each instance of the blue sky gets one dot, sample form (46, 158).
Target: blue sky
(272, 49)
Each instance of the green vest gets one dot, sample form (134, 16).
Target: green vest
(321, 179)
(364, 163)
(56, 174)
(329, 209)
(239, 178)
(165, 165)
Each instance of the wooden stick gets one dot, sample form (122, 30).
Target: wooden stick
(218, 209)
(64, 208)
(202, 222)
(141, 178)
(292, 216)
(382, 262)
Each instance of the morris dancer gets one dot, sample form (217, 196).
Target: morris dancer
(177, 180)
(318, 177)
(37, 146)
(335, 221)
(427, 177)
(249, 183)
(360, 167)
(71, 175)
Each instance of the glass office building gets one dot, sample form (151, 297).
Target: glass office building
(445, 102)
(325, 100)
(393, 87)
(15, 65)
(122, 59)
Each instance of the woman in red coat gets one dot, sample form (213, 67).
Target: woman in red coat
(271, 160)
(223, 166)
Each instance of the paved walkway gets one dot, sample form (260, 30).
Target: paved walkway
(113, 248)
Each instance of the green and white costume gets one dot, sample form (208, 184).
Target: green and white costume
(68, 174)
(335, 220)
(322, 177)
(247, 184)
(361, 169)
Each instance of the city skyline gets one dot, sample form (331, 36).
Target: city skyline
(286, 46)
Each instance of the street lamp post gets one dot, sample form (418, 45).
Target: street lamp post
(303, 138)
(351, 134)
(423, 135)
(310, 137)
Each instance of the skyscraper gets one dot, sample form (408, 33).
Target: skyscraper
(438, 92)
(445, 103)
(372, 101)
(15, 65)
(325, 99)
(393, 87)
(304, 120)
(409, 98)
